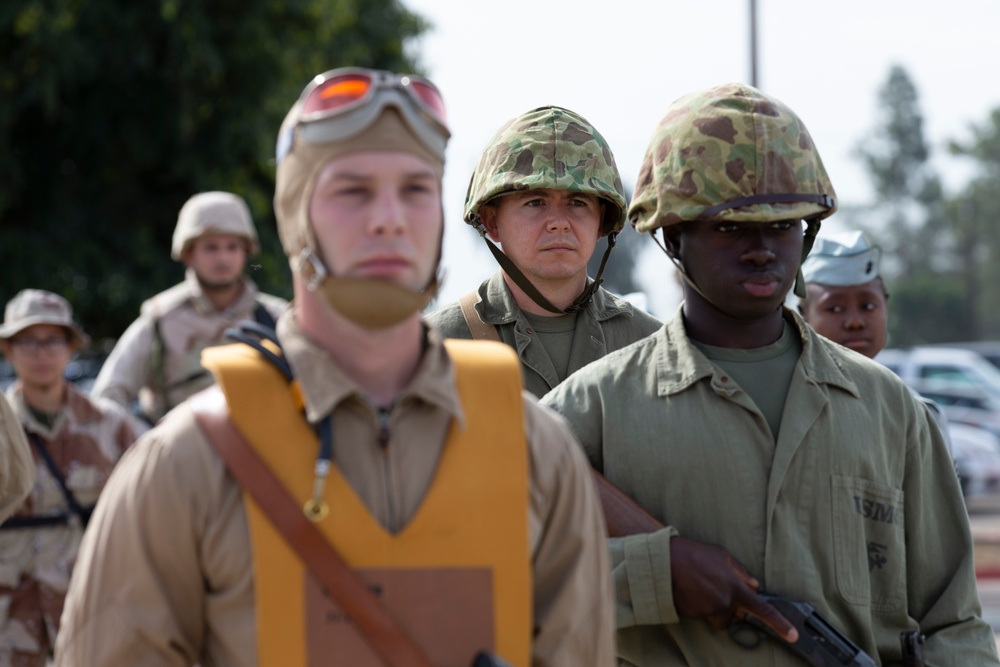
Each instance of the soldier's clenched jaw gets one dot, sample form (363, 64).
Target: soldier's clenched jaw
(377, 215)
(743, 269)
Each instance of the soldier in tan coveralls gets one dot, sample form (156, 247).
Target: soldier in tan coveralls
(168, 574)
(778, 460)
(547, 189)
(76, 442)
(157, 359)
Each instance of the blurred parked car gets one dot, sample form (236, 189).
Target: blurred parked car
(965, 405)
(977, 459)
(990, 349)
(967, 389)
(928, 367)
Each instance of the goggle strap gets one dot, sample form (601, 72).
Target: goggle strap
(310, 267)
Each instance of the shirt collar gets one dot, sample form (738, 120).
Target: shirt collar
(325, 385)
(679, 364)
(499, 307)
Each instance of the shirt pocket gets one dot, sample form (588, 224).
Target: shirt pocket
(869, 543)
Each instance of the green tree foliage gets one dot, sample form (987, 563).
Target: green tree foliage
(974, 217)
(910, 221)
(909, 194)
(115, 112)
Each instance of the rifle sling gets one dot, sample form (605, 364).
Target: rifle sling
(343, 584)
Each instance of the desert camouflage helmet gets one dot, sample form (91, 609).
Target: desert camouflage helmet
(730, 153)
(213, 213)
(548, 148)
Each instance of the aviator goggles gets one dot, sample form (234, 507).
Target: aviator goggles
(341, 103)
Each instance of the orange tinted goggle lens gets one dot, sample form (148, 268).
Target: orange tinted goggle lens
(336, 93)
(430, 96)
(345, 90)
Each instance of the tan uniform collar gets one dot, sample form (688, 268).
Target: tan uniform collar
(325, 385)
(77, 406)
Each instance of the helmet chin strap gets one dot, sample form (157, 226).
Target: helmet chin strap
(809, 238)
(812, 229)
(581, 302)
(367, 302)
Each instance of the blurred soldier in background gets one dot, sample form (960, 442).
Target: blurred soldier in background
(778, 461)
(547, 189)
(184, 564)
(17, 469)
(76, 442)
(845, 297)
(846, 300)
(157, 359)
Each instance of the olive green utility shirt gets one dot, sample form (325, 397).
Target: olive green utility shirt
(607, 324)
(856, 508)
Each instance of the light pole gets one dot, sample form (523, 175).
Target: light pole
(753, 43)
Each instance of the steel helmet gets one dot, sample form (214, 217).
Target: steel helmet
(730, 153)
(213, 213)
(548, 148)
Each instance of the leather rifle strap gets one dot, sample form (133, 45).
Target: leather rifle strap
(480, 330)
(344, 585)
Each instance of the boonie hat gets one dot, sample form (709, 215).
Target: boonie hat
(34, 306)
(842, 259)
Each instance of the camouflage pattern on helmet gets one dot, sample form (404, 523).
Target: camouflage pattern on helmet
(722, 145)
(548, 148)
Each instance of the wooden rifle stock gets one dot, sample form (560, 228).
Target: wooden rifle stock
(623, 515)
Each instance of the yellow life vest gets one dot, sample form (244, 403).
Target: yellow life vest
(457, 577)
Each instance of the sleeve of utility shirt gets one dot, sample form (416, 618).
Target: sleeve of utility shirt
(147, 588)
(127, 368)
(941, 577)
(17, 468)
(572, 601)
(640, 563)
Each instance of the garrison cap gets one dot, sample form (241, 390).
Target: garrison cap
(842, 259)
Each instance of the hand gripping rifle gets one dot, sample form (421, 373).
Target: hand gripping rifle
(820, 644)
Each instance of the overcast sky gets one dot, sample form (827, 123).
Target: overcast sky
(621, 63)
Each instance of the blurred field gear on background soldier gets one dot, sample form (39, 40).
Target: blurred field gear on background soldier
(158, 358)
(17, 471)
(381, 420)
(777, 460)
(75, 442)
(547, 189)
(845, 296)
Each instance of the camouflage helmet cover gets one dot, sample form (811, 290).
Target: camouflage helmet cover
(548, 148)
(730, 153)
(213, 213)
